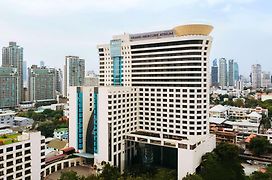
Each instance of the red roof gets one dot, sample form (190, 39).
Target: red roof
(251, 136)
(47, 160)
(68, 149)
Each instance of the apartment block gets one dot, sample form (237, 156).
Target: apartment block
(41, 83)
(9, 94)
(74, 72)
(12, 56)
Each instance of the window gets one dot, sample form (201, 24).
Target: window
(27, 172)
(27, 145)
(18, 174)
(9, 156)
(19, 168)
(9, 149)
(18, 154)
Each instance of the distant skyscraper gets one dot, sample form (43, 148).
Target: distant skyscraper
(12, 56)
(231, 73)
(8, 87)
(41, 83)
(42, 64)
(214, 72)
(256, 75)
(25, 73)
(222, 72)
(74, 72)
(266, 80)
(236, 71)
(59, 81)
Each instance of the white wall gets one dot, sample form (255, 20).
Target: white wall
(72, 91)
(102, 126)
(189, 160)
(35, 139)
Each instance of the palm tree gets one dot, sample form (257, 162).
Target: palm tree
(265, 124)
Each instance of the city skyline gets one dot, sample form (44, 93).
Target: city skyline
(68, 29)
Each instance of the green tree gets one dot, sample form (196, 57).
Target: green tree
(69, 175)
(251, 103)
(238, 103)
(259, 145)
(222, 164)
(46, 128)
(192, 177)
(91, 177)
(110, 173)
(163, 174)
(228, 103)
(38, 117)
(260, 176)
(265, 124)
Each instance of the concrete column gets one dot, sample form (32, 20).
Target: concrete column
(161, 156)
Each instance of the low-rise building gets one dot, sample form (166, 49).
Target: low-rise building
(54, 107)
(237, 113)
(61, 133)
(9, 118)
(218, 111)
(22, 156)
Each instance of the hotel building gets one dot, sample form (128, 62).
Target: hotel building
(152, 101)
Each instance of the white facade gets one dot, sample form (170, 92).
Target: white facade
(266, 79)
(80, 111)
(61, 133)
(10, 119)
(256, 73)
(163, 79)
(7, 118)
(24, 159)
(118, 116)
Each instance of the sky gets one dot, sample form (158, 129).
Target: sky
(48, 30)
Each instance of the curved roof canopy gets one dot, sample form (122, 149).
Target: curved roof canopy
(193, 29)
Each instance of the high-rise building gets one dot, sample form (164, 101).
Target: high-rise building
(9, 96)
(266, 80)
(214, 73)
(256, 76)
(12, 56)
(152, 101)
(42, 64)
(231, 73)
(223, 80)
(165, 79)
(25, 73)
(236, 71)
(41, 83)
(58, 80)
(74, 72)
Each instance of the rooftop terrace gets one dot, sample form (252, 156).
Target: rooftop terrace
(9, 138)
